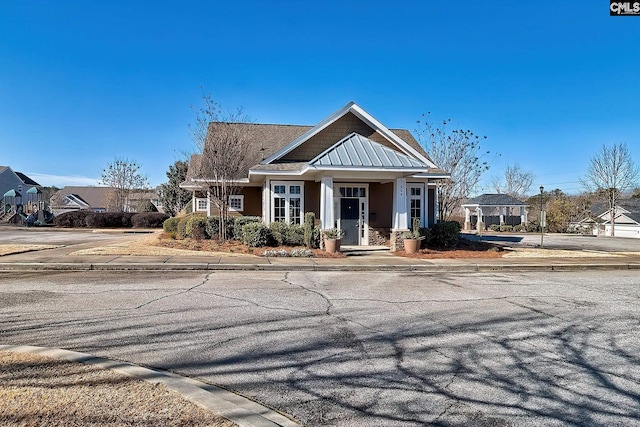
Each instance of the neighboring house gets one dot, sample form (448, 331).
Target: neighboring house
(97, 199)
(16, 189)
(626, 219)
(73, 198)
(137, 196)
(353, 172)
(489, 209)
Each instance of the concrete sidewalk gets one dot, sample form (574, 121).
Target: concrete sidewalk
(64, 258)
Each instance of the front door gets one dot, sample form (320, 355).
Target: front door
(349, 221)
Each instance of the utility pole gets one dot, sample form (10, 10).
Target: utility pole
(542, 218)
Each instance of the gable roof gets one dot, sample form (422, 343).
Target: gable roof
(357, 151)
(356, 110)
(494, 200)
(22, 177)
(26, 179)
(270, 142)
(95, 197)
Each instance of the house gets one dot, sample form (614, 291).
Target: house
(350, 170)
(72, 198)
(489, 209)
(97, 199)
(626, 220)
(18, 191)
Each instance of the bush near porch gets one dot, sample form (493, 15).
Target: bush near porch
(249, 230)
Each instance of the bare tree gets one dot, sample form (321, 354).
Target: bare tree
(221, 137)
(456, 151)
(122, 176)
(515, 181)
(611, 172)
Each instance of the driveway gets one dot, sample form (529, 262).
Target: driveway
(361, 349)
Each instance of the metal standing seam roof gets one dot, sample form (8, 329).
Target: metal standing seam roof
(357, 151)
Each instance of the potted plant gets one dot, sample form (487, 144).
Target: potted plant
(412, 239)
(332, 240)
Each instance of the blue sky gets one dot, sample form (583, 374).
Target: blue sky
(83, 82)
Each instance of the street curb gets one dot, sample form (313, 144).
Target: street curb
(434, 268)
(234, 407)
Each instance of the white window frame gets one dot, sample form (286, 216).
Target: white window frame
(287, 196)
(363, 208)
(236, 197)
(421, 197)
(201, 200)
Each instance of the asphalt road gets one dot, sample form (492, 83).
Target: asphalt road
(361, 349)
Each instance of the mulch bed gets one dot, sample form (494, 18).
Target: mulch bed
(235, 247)
(465, 249)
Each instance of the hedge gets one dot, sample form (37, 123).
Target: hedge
(149, 220)
(445, 234)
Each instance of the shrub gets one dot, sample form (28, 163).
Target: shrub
(519, 228)
(149, 220)
(181, 229)
(533, 227)
(195, 227)
(278, 232)
(309, 224)
(109, 219)
(170, 225)
(494, 227)
(298, 253)
(146, 206)
(213, 227)
(506, 228)
(240, 221)
(294, 235)
(444, 234)
(255, 234)
(73, 219)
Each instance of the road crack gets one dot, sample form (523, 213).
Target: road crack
(184, 291)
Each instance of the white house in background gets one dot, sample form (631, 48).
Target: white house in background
(626, 220)
(494, 209)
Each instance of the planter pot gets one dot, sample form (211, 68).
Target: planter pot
(332, 245)
(411, 246)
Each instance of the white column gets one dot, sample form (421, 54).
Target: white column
(479, 223)
(425, 219)
(400, 216)
(266, 202)
(208, 202)
(501, 215)
(467, 219)
(523, 216)
(327, 216)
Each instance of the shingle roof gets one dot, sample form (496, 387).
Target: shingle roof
(26, 179)
(96, 197)
(266, 139)
(494, 200)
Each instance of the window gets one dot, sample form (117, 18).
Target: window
(201, 205)
(416, 203)
(236, 203)
(287, 201)
(352, 192)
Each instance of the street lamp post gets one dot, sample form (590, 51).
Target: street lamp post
(541, 218)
